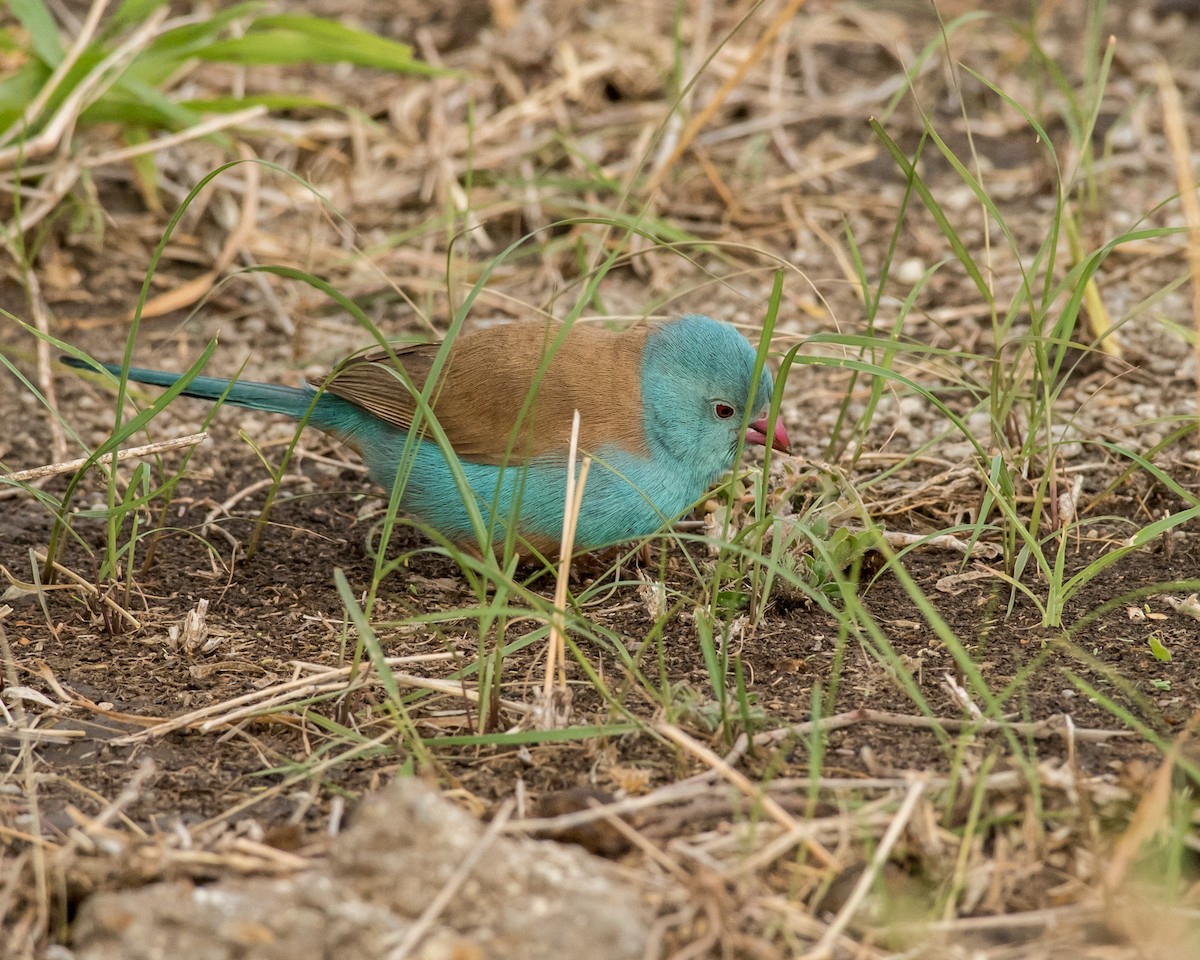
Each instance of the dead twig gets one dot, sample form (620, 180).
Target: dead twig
(770, 806)
(1039, 729)
(554, 709)
(131, 453)
(279, 696)
(76, 579)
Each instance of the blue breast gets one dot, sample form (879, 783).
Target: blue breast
(625, 496)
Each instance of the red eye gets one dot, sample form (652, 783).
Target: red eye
(723, 410)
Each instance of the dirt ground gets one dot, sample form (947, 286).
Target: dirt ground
(776, 175)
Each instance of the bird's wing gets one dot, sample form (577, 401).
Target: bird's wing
(368, 381)
(480, 398)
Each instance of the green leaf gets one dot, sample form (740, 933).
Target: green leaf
(184, 40)
(135, 11)
(1161, 653)
(729, 602)
(336, 34)
(17, 89)
(151, 96)
(272, 101)
(35, 18)
(10, 42)
(289, 40)
(140, 105)
(939, 215)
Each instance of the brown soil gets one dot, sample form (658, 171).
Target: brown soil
(282, 606)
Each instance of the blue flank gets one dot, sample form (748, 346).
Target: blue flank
(613, 510)
(687, 365)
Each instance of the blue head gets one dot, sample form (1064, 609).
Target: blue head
(696, 383)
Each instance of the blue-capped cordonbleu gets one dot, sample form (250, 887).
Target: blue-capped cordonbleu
(661, 407)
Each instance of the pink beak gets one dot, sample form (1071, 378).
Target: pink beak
(760, 430)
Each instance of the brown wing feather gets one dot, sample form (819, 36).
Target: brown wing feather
(368, 382)
(487, 377)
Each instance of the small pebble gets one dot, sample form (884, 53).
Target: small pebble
(910, 271)
(980, 425)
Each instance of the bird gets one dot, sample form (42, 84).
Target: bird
(661, 408)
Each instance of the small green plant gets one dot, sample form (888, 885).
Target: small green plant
(126, 69)
(1158, 649)
(839, 552)
(127, 72)
(1035, 328)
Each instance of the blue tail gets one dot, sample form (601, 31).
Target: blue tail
(290, 401)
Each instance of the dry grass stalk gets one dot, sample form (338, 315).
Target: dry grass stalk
(824, 948)
(193, 290)
(131, 453)
(1175, 128)
(160, 145)
(205, 128)
(422, 925)
(731, 83)
(83, 39)
(281, 695)
(45, 370)
(89, 588)
(1041, 729)
(555, 706)
(795, 828)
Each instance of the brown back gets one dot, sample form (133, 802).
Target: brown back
(487, 377)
